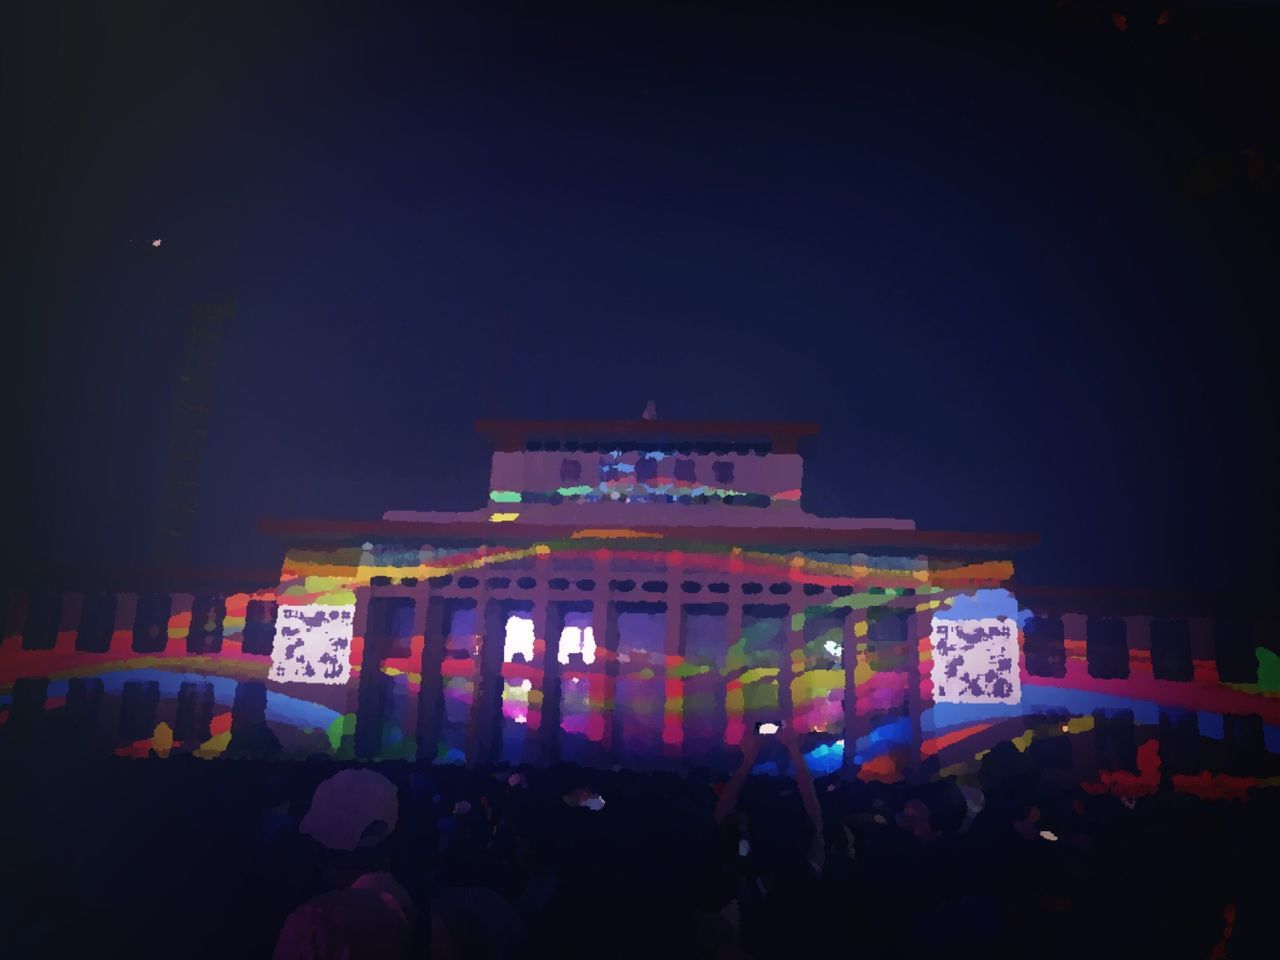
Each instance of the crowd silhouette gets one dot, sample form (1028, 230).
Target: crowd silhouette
(184, 857)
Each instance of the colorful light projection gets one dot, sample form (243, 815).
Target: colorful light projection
(517, 684)
(314, 644)
(577, 639)
(582, 687)
(703, 674)
(817, 685)
(752, 664)
(975, 661)
(724, 669)
(640, 687)
(460, 671)
(649, 477)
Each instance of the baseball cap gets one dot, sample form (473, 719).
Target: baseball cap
(346, 805)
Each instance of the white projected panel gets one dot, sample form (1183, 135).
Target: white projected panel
(976, 661)
(314, 644)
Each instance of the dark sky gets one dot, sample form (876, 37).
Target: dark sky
(1019, 263)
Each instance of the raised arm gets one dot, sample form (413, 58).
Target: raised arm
(808, 796)
(728, 801)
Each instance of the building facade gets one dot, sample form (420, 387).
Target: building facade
(641, 593)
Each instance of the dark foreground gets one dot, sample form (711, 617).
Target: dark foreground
(188, 858)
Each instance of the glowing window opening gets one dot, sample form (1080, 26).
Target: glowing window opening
(518, 638)
(577, 640)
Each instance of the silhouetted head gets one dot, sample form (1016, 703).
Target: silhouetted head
(351, 819)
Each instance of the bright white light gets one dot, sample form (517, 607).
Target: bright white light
(577, 640)
(519, 637)
(833, 648)
(526, 685)
(155, 243)
(1048, 835)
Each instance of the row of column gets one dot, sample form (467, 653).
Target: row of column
(440, 660)
(125, 624)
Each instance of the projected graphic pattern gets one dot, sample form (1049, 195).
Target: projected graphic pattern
(975, 661)
(314, 645)
(623, 631)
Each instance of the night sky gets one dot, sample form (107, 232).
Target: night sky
(1019, 263)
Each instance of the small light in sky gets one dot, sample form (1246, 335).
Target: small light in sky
(155, 243)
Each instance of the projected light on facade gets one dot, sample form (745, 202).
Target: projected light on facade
(518, 641)
(975, 661)
(577, 638)
(650, 630)
(314, 645)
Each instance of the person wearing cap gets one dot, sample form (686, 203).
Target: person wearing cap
(366, 914)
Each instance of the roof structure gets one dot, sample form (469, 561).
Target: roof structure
(782, 436)
(791, 537)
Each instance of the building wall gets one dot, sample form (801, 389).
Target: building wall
(456, 655)
(776, 476)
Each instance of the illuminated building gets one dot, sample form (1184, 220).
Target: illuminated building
(639, 592)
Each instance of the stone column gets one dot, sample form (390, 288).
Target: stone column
(733, 711)
(359, 624)
(410, 722)
(673, 649)
(368, 645)
(1075, 643)
(1137, 631)
(548, 732)
(855, 634)
(791, 660)
(544, 655)
(121, 648)
(176, 644)
(122, 636)
(1203, 655)
(482, 680)
(382, 695)
(69, 623)
(15, 616)
(918, 625)
(487, 725)
(612, 741)
(602, 682)
(431, 689)
(175, 638)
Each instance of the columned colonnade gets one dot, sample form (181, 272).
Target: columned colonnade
(598, 591)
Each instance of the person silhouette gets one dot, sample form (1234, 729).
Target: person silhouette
(366, 914)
